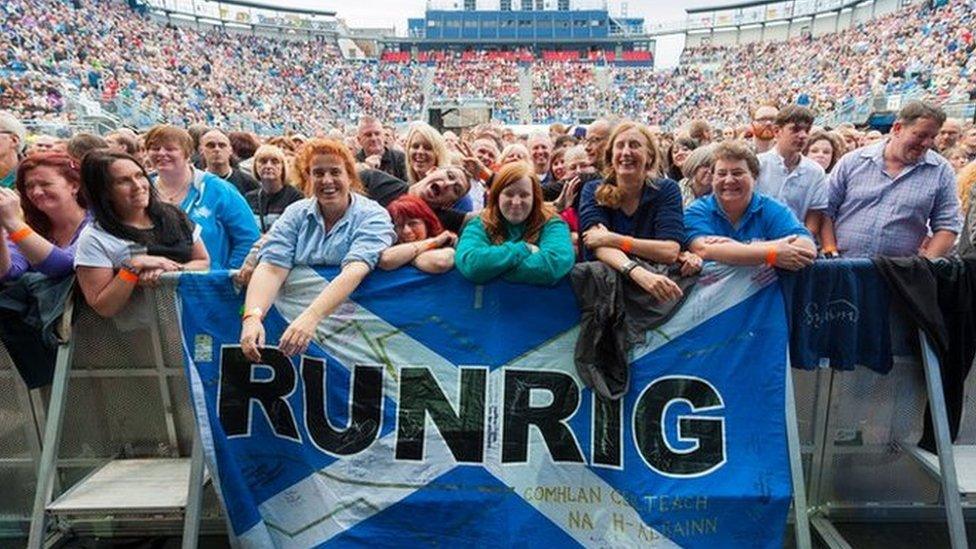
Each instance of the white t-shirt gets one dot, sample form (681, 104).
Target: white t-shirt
(97, 248)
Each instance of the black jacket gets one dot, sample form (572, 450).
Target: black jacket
(392, 162)
(615, 314)
(940, 298)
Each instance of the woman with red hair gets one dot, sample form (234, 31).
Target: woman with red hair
(336, 226)
(517, 236)
(421, 239)
(44, 239)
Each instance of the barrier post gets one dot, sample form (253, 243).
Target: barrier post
(801, 521)
(943, 440)
(194, 498)
(47, 470)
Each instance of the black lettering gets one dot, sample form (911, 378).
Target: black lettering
(238, 391)
(707, 432)
(463, 431)
(365, 414)
(550, 420)
(606, 431)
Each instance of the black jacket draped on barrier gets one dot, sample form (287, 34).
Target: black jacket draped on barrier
(616, 313)
(940, 298)
(30, 309)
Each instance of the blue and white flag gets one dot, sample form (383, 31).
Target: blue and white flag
(430, 411)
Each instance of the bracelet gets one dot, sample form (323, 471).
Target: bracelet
(771, 256)
(627, 245)
(21, 234)
(829, 250)
(431, 246)
(253, 311)
(125, 275)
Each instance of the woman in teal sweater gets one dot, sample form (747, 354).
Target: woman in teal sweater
(517, 236)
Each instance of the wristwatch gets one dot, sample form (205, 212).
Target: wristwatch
(629, 266)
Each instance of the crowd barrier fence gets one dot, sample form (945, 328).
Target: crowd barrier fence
(120, 394)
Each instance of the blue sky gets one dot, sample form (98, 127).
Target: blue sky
(394, 13)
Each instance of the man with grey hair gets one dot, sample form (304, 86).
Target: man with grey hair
(374, 154)
(540, 152)
(949, 135)
(884, 198)
(13, 140)
(597, 135)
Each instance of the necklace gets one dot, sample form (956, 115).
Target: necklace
(173, 198)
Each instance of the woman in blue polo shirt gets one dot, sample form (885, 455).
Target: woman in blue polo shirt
(633, 212)
(337, 226)
(738, 226)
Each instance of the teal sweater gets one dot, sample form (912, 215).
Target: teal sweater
(480, 261)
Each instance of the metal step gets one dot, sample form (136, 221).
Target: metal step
(129, 486)
(965, 458)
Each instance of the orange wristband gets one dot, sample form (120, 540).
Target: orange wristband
(431, 246)
(627, 245)
(125, 275)
(829, 250)
(771, 256)
(21, 234)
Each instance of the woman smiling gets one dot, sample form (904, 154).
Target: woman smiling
(426, 151)
(516, 237)
(337, 226)
(226, 224)
(135, 237)
(738, 226)
(635, 212)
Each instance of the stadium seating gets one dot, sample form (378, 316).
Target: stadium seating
(106, 53)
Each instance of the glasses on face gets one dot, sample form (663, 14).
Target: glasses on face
(765, 120)
(595, 139)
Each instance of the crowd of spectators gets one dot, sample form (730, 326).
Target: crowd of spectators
(478, 75)
(219, 78)
(920, 48)
(106, 50)
(565, 90)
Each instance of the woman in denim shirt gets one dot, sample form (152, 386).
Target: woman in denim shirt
(336, 226)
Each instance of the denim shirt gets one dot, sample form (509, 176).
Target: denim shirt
(299, 237)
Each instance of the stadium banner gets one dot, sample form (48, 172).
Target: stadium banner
(429, 410)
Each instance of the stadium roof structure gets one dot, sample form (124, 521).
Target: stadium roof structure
(279, 7)
(821, 6)
(246, 14)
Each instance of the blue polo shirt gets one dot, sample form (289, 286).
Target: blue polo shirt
(764, 219)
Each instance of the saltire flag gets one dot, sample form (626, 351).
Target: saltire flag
(431, 411)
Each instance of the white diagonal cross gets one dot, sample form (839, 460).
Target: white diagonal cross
(296, 523)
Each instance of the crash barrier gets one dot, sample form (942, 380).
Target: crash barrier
(124, 396)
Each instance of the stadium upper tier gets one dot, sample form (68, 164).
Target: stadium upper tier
(146, 72)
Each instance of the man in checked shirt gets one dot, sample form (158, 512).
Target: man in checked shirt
(888, 197)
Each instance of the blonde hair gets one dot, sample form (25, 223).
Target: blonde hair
(607, 193)
(965, 183)
(437, 144)
(276, 152)
(512, 147)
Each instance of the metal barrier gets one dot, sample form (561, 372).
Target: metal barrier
(859, 431)
(120, 393)
(21, 414)
(119, 413)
